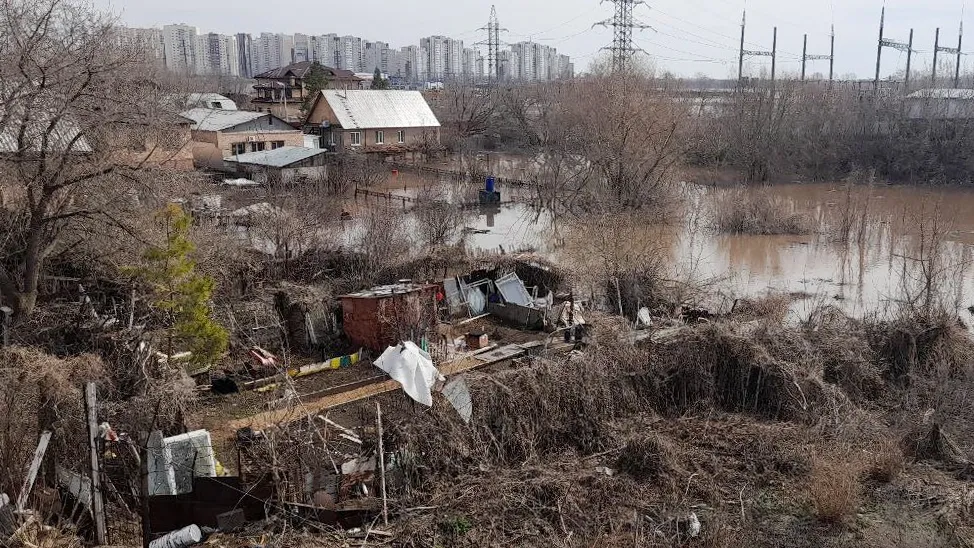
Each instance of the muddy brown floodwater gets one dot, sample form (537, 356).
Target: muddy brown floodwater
(872, 246)
(873, 266)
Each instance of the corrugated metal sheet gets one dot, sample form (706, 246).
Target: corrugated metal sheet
(376, 109)
(207, 119)
(280, 157)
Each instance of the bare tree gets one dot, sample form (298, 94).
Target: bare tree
(66, 87)
(440, 220)
(465, 110)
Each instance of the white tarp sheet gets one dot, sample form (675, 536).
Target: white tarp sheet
(413, 368)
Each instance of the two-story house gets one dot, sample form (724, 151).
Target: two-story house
(381, 121)
(282, 91)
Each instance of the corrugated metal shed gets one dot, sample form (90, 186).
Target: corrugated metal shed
(207, 119)
(280, 157)
(376, 109)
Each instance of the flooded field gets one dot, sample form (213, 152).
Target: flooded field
(870, 247)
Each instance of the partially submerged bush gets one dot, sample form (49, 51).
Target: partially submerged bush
(745, 211)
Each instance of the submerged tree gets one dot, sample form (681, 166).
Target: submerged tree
(181, 294)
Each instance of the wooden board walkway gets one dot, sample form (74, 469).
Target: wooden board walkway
(369, 388)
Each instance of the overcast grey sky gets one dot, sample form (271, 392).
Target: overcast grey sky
(690, 36)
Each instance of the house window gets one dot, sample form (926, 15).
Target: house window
(379, 138)
(401, 136)
(217, 105)
(258, 146)
(355, 138)
(276, 145)
(239, 148)
(331, 138)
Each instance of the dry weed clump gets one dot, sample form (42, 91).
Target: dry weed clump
(886, 461)
(834, 488)
(759, 212)
(646, 457)
(770, 372)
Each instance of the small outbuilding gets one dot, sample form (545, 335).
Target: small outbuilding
(279, 165)
(383, 316)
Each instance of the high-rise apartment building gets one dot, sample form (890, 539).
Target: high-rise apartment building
(302, 48)
(375, 55)
(325, 50)
(270, 51)
(245, 61)
(148, 40)
(436, 65)
(217, 54)
(180, 47)
(350, 53)
(412, 63)
(473, 64)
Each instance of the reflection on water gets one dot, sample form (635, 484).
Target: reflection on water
(911, 244)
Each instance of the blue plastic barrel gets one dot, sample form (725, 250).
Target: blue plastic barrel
(490, 184)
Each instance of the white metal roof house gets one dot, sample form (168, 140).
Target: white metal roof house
(388, 121)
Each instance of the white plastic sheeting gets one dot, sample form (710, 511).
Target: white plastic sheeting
(413, 368)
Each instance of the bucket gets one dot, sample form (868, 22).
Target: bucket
(490, 184)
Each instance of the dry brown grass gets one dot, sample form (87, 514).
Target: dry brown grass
(834, 488)
(886, 461)
(645, 457)
(747, 211)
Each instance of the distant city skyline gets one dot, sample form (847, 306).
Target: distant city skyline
(690, 36)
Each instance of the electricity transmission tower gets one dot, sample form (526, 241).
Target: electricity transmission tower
(937, 48)
(493, 43)
(884, 43)
(773, 54)
(622, 24)
(830, 57)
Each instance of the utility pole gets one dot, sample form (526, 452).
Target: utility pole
(830, 57)
(623, 23)
(879, 50)
(960, 44)
(909, 56)
(936, 50)
(740, 62)
(772, 54)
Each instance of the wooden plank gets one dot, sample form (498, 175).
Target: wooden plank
(370, 389)
(35, 466)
